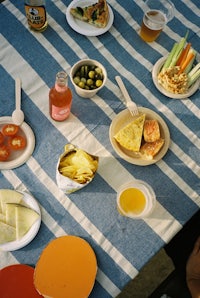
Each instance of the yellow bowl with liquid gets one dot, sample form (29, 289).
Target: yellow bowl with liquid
(136, 199)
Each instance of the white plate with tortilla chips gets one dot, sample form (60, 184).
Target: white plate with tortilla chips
(83, 27)
(124, 118)
(30, 202)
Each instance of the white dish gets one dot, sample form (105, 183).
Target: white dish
(156, 70)
(14, 245)
(121, 120)
(18, 157)
(83, 27)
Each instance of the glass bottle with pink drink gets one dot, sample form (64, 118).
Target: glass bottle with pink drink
(60, 98)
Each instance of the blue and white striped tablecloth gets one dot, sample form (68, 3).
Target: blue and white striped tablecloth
(122, 246)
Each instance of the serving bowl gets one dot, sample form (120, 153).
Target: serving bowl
(156, 69)
(87, 62)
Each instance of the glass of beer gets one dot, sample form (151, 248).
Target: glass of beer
(157, 13)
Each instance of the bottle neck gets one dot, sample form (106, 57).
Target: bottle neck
(61, 81)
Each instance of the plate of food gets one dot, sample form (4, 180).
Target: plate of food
(161, 82)
(141, 140)
(17, 143)
(20, 219)
(83, 17)
(178, 74)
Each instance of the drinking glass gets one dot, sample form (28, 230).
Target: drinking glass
(136, 199)
(157, 13)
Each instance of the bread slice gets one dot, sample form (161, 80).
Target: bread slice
(149, 150)
(151, 130)
(130, 136)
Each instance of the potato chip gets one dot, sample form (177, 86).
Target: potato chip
(78, 165)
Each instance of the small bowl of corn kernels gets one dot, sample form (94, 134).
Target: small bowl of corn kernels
(88, 77)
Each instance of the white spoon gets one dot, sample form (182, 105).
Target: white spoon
(18, 115)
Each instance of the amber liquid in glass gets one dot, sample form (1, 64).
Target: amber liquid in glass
(153, 23)
(36, 14)
(132, 200)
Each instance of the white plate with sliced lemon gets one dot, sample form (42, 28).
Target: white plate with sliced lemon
(20, 219)
(127, 137)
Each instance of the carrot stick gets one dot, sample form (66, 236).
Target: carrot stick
(186, 62)
(183, 55)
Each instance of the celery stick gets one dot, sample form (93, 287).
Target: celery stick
(178, 50)
(192, 72)
(175, 53)
(169, 58)
(194, 77)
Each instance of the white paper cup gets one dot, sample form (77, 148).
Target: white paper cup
(147, 202)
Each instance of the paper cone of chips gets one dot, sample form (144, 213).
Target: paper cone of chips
(75, 169)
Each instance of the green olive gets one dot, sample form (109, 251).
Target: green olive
(91, 74)
(90, 82)
(81, 84)
(98, 70)
(76, 80)
(83, 80)
(99, 83)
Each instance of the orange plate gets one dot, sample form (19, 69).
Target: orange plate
(17, 281)
(66, 268)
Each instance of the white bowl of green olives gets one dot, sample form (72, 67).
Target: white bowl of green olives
(88, 77)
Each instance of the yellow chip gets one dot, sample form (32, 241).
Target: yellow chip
(78, 166)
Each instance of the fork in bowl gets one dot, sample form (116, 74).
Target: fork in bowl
(132, 107)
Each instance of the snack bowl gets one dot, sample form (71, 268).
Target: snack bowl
(156, 69)
(82, 91)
